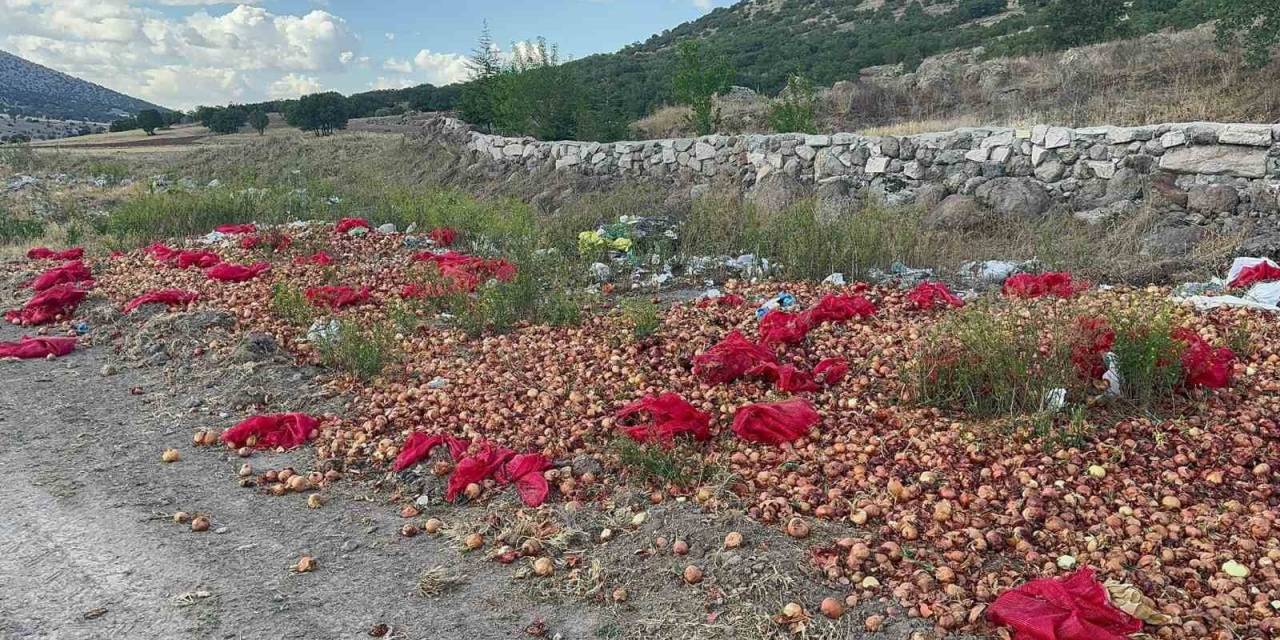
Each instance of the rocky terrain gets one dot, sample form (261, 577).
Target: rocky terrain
(29, 89)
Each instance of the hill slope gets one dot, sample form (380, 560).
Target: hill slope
(29, 89)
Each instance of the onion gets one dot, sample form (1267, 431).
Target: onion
(543, 567)
(170, 455)
(680, 547)
(733, 540)
(692, 574)
(797, 528)
(473, 541)
(181, 517)
(832, 608)
(315, 501)
(246, 470)
(306, 564)
(199, 523)
(620, 595)
(409, 530)
(432, 526)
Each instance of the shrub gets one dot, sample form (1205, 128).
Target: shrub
(681, 465)
(643, 316)
(13, 230)
(149, 120)
(223, 120)
(1147, 356)
(258, 120)
(699, 77)
(320, 113)
(361, 352)
(794, 110)
(291, 305)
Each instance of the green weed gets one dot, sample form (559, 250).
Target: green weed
(291, 305)
(681, 465)
(359, 351)
(643, 315)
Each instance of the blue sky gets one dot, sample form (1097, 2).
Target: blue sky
(180, 53)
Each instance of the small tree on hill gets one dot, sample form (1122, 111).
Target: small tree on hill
(794, 110)
(1071, 23)
(259, 121)
(1258, 21)
(320, 113)
(149, 120)
(476, 105)
(699, 77)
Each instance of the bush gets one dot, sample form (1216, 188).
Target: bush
(699, 77)
(1147, 356)
(149, 120)
(291, 305)
(258, 120)
(794, 110)
(223, 120)
(15, 230)
(320, 113)
(643, 316)
(358, 351)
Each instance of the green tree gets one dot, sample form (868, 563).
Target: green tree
(476, 104)
(699, 77)
(149, 120)
(1071, 23)
(795, 109)
(1256, 22)
(223, 120)
(258, 120)
(320, 113)
(536, 95)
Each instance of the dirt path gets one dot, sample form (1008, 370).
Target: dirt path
(85, 551)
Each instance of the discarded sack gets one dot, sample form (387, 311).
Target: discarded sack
(787, 378)
(1203, 365)
(336, 297)
(46, 306)
(1247, 272)
(45, 253)
(730, 359)
(443, 236)
(227, 272)
(1057, 283)
(164, 296)
(728, 300)
(475, 468)
(73, 271)
(345, 225)
(775, 423)
(831, 371)
(416, 449)
(1072, 608)
(525, 471)
(930, 295)
(467, 272)
(669, 415)
(1094, 338)
(286, 430)
(780, 327)
(200, 259)
(236, 229)
(320, 258)
(839, 308)
(161, 253)
(277, 242)
(30, 348)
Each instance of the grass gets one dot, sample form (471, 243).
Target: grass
(681, 465)
(644, 317)
(14, 230)
(291, 305)
(1148, 359)
(359, 351)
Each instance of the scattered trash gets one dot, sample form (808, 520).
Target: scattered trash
(351, 226)
(899, 272)
(668, 415)
(286, 430)
(1132, 601)
(993, 271)
(80, 327)
(1058, 284)
(748, 265)
(928, 295)
(601, 272)
(438, 383)
(1053, 400)
(1260, 275)
(775, 423)
(1073, 608)
(387, 228)
(1112, 375)
(324, 330)
(781, 301)
(836, 279)
(28, 348)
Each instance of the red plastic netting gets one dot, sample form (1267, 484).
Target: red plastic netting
(164, 296)
(198, 259)
(227, 272)
(1073, 608)
(775, 423)
(668, 415)
(45, 253)
(236, 229)
(286, 430)
(1203, 365)
(347, 224)
(728, 300)
(48, 305)
(337, 296)
(73, 271)
(28, 348)
(839, 308)
(443, 236)
(525, 471)
(1264, 271)
(831, 370)
(320, 258)
(476, 467)
(1094, 338)
(1059, 284)
(931, 295)
(730, 359)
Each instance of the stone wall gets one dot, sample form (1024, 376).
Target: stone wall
(1203, 174)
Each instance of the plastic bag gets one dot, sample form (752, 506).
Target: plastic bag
(525, 470)
(416, 448)
(780, 327)
(73, 271)
(467, 272)
(831, 371)
(476, 468)
(930, 295)
(336, 297)
(199, 259)
(730, 359)
(29, 348)
(668, 415)
(163, 296)
(227, 272)
(839, 308)
(45, 253)
(236, 229)
(320, 258)
(1203, 365)
(1250, 273)
(286, 430)
(775, 423)
(46, 306)
(345, 225)
(443, 236)
(1094, 338)
(1073, 608)
(1056, 283)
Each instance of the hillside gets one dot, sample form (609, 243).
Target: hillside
(29, 89)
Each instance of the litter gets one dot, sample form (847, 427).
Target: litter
(749, 265)
(780, 327)
(1203, 365)
(199, 259)
(348, 225)
(730, 359)
(277, 242)
(164, 296)
(927, 296)
(438, 382)
(899, 272)
(416, 449)
(336, 297)
(714, 298)
(323, 331)
(1257, 273)
(30, 348)
(994, 271)
(236, 229)
(776, 423)
(320, 258)
(668, 415)
(45, 253)
(71, 272)
(475, 468)
(1094, 338)
(46, 306)
(836, 279)
(1249, 271)
(227, 272)
(1055, 283)
(1053, 400)
(443, 236)
(286, 430)
(831, 371)
(1073, 608)
(525, 471)
(779, 302)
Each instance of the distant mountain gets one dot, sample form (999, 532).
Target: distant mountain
(29, 89)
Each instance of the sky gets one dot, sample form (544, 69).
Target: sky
(183, 53)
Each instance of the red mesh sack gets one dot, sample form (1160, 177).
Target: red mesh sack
(1203, 365)
(1264, 271)
(28, 348)
(775, 423)
(930, 295)
(277, 242)
(320, 258)
(786, 378)
(164, 296)
(666, 416)
(227, 272)
(457, 446)
(839, 308)
(286, 430)
(1058, 284)
(1073, 608)
(336, 297)
(46, 306)
(198, 259)
(730, 300)
(476, 468)
(443, 236)
(236, 229)
(730, 359)
(347, 224)
(416, 449)
(779, 327)
(831, 371)
(525, 470)
(45, 253)
(1093, 339)
(161, 252)
(73, 271)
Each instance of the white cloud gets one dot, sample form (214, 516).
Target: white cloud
(400, 66)
(294, 85)
(392, 83)
(441, 68)
(389, 35)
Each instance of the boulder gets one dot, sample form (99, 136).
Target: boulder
(1213, 198)
(957, 213)
(1171, 241)
(1017, 197)
(776, 192)
(930, 195)
(1252, 135)
(1223, 160)
(835, 200)
(1165, 193)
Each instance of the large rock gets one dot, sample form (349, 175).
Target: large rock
(1015, 197)
(776, 192)
(1213, 198)
(835, 200)
(1171, 241)
(1165, 193)
(956, 212)
(1218, 160)
(930, 195)
(1253, 135)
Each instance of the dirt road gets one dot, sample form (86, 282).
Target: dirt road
(86, 549)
